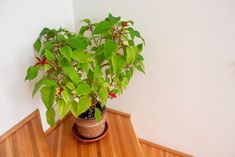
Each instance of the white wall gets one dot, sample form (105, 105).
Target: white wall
(186, 100)
(21, 22)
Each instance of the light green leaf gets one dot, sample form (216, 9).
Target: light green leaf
(118, 63)
(102, 27)
(140, 67)
(78, 42)
(97, 114)
(32, 73)
(50, 114)
(85, 67)
(47, 67)
(63, 108)
(94, 86)
(103, 95)
(83, 29)
(110, 47)
(48, 96)
(81, 56)
(66, 51)
(70, 86)
(97, 72)
(65, 96)
(84, 104)
(60, 37)
(83, 89)
(131, 54)
(37, 45)
(49, 55)
(88, 21)
(73, 108)
(70, 71)
(47, 83)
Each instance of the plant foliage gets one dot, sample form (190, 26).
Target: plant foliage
(80, 69)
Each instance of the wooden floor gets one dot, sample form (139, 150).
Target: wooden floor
(121, 140)
(153, 150)
(25, 140)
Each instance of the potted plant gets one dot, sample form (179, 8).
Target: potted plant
(79, 72)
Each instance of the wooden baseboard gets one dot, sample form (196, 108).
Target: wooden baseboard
(163, 148)
(19, 125)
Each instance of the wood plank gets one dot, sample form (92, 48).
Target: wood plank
(154, 150)
(121, 140)
(26, 139)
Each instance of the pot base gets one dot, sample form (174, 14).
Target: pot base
(88, 140)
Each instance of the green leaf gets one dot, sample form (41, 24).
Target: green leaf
(50, 114)
(32, 73)
(84, 104)
(45, 31)
(83, 89)
(81, 56)
(102, 27)
(85, 67)
(63, 108)
(37, 45)
(97, 114)
(70, 71)
(48, 96)
(70, 86)
(131, 54)
(110, 47)
(65, 96)
(97, 72)
(140, 67)
(103, 95)
(47, 83)
(48, 45)
(78, 42)
(88, 21)
(36, 87)
(113, 19)
(60, 37)
(83, 29)
(129, 73)
(49, 55)
(66, 51)
(94, 86)
(118, 63)
(73, 108)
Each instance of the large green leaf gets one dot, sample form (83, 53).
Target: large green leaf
(70, 85)
(82, 56)
(32, 73)
(45, 82)
(83, 89)
(131, 52)
(103, 95)
(102, 27)
(49, 55)
(65, 96)
(37, 45)
(50, 114)
(74, 108)
(70, 71)
(48, 96)
(78, 42)
(110, 47)
(63, 108)
(97, 114)
(118, 63)
(66, 51)
(84, 104)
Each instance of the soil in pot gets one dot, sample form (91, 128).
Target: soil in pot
(87, 125)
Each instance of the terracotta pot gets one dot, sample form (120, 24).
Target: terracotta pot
(90, 128)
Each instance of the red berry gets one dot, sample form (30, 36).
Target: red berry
(36, 64)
